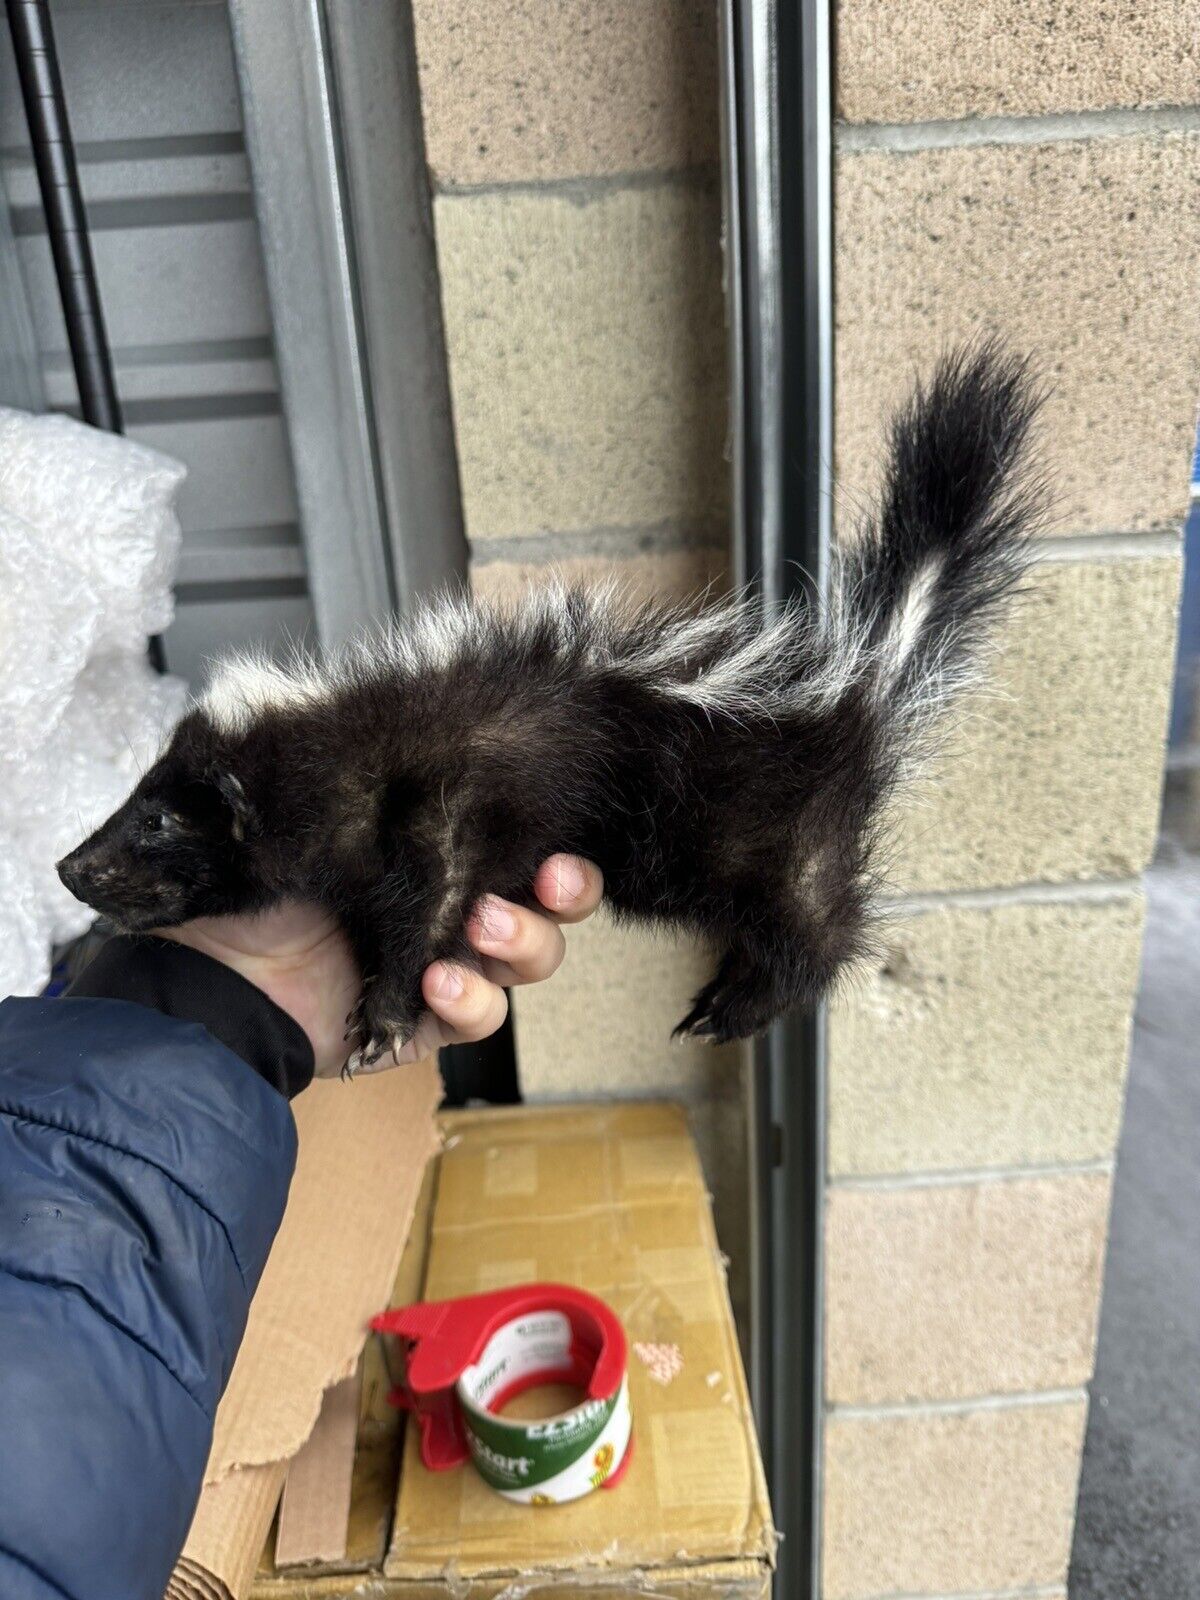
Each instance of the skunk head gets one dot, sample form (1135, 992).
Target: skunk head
(182, 845)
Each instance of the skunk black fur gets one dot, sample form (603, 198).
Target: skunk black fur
(727, 774)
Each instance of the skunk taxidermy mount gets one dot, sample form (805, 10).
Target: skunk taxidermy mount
(726, 771)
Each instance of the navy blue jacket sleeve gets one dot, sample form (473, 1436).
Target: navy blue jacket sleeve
(144, 1167)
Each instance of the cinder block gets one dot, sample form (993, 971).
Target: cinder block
(602, 1025)
(951, 58)
(1083, 254)
(684, 571)
(1054, 770)
(520, 90)
(587, 356)
(929, 1503)
(986, 1037)
(948, 1291)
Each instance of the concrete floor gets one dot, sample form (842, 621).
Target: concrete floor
(1138, 1528)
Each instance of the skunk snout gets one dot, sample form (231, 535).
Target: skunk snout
(97, 876)
(130, 892)
(71, 875)
(83, 874)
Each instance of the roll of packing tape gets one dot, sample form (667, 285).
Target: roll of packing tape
(555, 1458)
(466, 1359)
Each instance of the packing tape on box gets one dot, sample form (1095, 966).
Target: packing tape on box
(466, 1359)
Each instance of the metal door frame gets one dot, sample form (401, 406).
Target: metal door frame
(20, 372)
(777, 172)
(332, 115)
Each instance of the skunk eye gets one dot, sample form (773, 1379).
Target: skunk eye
(154, 822)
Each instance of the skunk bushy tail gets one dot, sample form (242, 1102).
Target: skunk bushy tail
(856, 693)
(912, 600)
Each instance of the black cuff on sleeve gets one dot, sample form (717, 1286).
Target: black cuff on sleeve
(183, 983)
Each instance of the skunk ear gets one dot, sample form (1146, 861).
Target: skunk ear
(245, 818)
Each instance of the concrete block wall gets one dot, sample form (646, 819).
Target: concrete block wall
(574, 150)
(1034, 169)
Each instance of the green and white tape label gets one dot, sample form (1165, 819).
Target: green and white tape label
(554, 1459)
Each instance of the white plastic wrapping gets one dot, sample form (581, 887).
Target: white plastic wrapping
(89, 541)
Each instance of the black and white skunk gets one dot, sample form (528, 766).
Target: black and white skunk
(726, 773)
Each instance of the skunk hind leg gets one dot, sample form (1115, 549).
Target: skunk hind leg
(392, 956)
(758, 978)
(753, 984)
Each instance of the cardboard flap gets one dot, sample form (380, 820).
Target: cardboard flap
(363, 1149)
(227, 1532)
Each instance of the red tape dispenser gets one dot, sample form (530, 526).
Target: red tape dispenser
(466, 1359)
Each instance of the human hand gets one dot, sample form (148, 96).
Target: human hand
(299, 956)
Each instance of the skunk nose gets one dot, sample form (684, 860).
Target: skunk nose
(71, 876)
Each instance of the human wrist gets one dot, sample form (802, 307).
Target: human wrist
(182, 980)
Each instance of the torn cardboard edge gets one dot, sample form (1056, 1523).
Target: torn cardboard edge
(376, 1448)
(363, 1148)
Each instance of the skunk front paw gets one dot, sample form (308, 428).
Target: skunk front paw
(382, 1023)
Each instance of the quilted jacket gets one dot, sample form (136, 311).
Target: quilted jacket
(145, 1154)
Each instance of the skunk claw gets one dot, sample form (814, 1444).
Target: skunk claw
(373, 1050)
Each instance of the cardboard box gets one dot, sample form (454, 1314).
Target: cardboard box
(610, 1198)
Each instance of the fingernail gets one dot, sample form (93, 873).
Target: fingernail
(449, 982)
(494, 921)
(569, 880)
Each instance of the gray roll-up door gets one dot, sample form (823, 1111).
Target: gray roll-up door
(153, 99)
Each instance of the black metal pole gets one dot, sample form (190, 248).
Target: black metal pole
(62, 201)
(66, 221)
